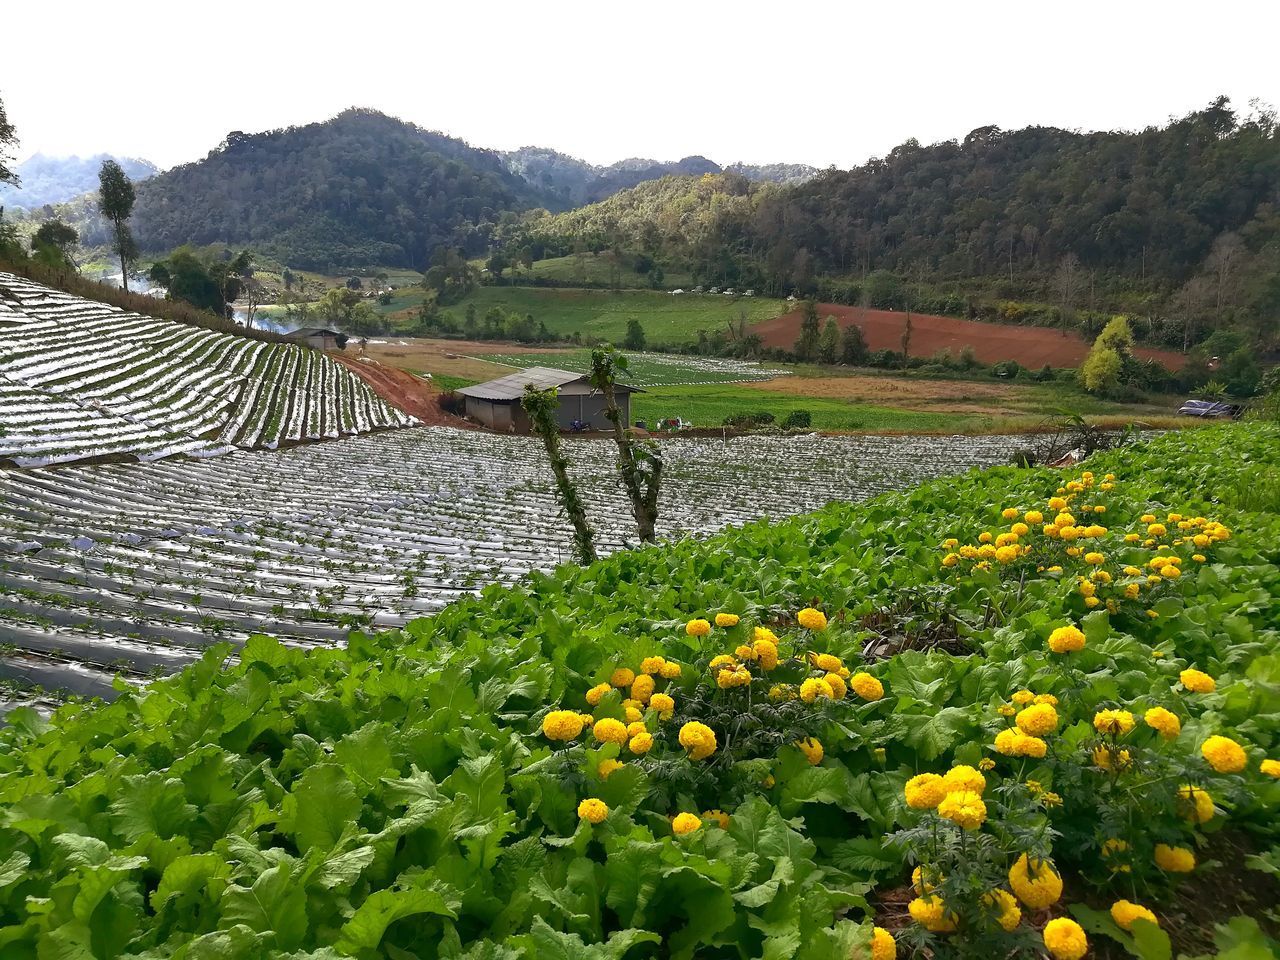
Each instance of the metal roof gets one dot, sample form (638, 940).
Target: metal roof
(512, 386)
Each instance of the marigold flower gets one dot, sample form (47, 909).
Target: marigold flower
(635, 727)
(1006, 555)
(1005, 907)
(685, 823)
(718, 817)
(1009, 513)
(622, 677)
(963, 808)
(562, 725)
(1174, 859)
(866, 686)
(964, 777)
(813, 688)
(593, 810)
(670, 670)
(698, 739)
(924, 791)
(951, 559)
(607, 767)
(1057, 504)
(641, 743)
(1270, 768)
(697, 627)
(1107, 759)
(985, 537)
(1037, 720)
(1005, 710)
(1156, 530)
(826, 662)
(836, 682)
(722, 660)
(1224, 754)
(609, 730)
(726, 619)
(652, 665)
(766, 653)
(1195, 803)
(812, 750)
(931, 913)
(1037, 884)
(1066, 639)
(642, 688)
(1197, 681)
(1114, 722)
(1048, 698)
(596, 693)
(664, 704)
(883, 946)
(1065, 939)
(1012, 742)
(812, 619)
(1023, 697)
(764, 633)
(632, 714)
(986, 763)
(745, 652)
(1124, 912)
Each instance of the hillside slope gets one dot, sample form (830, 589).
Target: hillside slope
(83, 380)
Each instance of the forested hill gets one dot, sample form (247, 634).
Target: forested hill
(48, 180)
(360, 189)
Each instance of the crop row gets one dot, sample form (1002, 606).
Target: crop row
(141, 566)
(80, 379)
(651, 369)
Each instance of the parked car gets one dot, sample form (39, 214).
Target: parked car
(1210, 409)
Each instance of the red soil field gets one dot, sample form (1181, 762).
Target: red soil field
(402, 389)
(991, 342)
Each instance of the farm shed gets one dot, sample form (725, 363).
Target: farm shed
(496, 404)
(320, 338)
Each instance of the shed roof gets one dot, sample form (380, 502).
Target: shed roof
(512, 386)
(304, 332)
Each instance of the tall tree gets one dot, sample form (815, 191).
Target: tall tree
(541, 405)
(116, 197)
(635, 335)
(810, 332)
(52, 243)
(8, 140)
(1068, 283)
(640, 463)
(829, 341)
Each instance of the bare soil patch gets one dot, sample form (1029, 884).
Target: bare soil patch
(991, 342)
(402, 389)
(452, 358)
(950, 395)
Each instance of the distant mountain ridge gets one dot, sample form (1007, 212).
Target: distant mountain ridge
(566, 182)
(45, 179)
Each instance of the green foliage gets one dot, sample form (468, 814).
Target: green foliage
(394, 797)
(8, 140)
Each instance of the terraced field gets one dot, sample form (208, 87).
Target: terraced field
(81, 380)
(138, 567)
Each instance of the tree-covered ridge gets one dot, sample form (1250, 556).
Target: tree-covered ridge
(360, 189)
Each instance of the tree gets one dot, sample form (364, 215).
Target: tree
(1103, 370)
(541, 405)
(116, 197)
(286, 275)
(1067, 282)
(829, 341)
(186, 277)
(640, 463)
(496, 263)
(806, 348)
(635, 339)
(8, 140)
(52, 243)
(853, 346)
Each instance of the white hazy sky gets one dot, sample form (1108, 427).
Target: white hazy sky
(797, 81)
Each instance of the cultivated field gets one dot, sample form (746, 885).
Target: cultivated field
(140, 567)
(650, 369)
(80, 379)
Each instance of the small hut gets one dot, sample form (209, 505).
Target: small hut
(320, 338)
(496, 403)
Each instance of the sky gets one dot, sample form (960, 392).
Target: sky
(797, 81)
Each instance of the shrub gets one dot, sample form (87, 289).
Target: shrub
(450, 401)
(797, 420)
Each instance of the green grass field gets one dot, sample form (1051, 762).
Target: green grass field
(604, 313)
(591, 268)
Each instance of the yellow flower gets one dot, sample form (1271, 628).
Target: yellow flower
(1196, 804)
(1224, 754)
(826, 662)
(963, 777)
(1114, 722)
(1023, 697)
(950, 543)
(1005, 907)
(963, 808)
(664, 704)
(561, 725)
(1094, 558)
(1065, 939)
(812, 750)
(1037, 720)
(642, 688)
(685, 823)
(722, 660)
(588, 720)
(609, 730)
(1106, 758)
(745, 652)
(697, 628)
(767, 653)
(737, 677)
(1009, 513)
(1033, 517)
(607, 767)
(1200, 540)
(814, 688)
(1012, 742)
(726, 619)
(1066, 640)
(1048, 698)
(1174, 859)
(1057, 504)
(597, 692)
(931, 913)
(641, 743)
(1036, 885)
(622, 677)
(1197, 681)
(1123, 912)
(1156, 530)
(883, 946)
(632, 714)
(1198, 557)
(764, 633)
(866, 686)
(925, 791)
(593, 810)
(1270, 768)
(812, 619)
(717, 817)
(670, 670)
(836, 682)
(1005, 710)
(1131, 538)
(951, 559)
(698, 739)
(1019, 529)
(651, 665)
(1006, 555)
(986, 763)
(985, 537)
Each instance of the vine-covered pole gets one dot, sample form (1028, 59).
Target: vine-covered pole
(541, 405)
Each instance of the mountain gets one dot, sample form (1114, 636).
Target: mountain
(357, 190)
(566, 182)
(49, 180)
